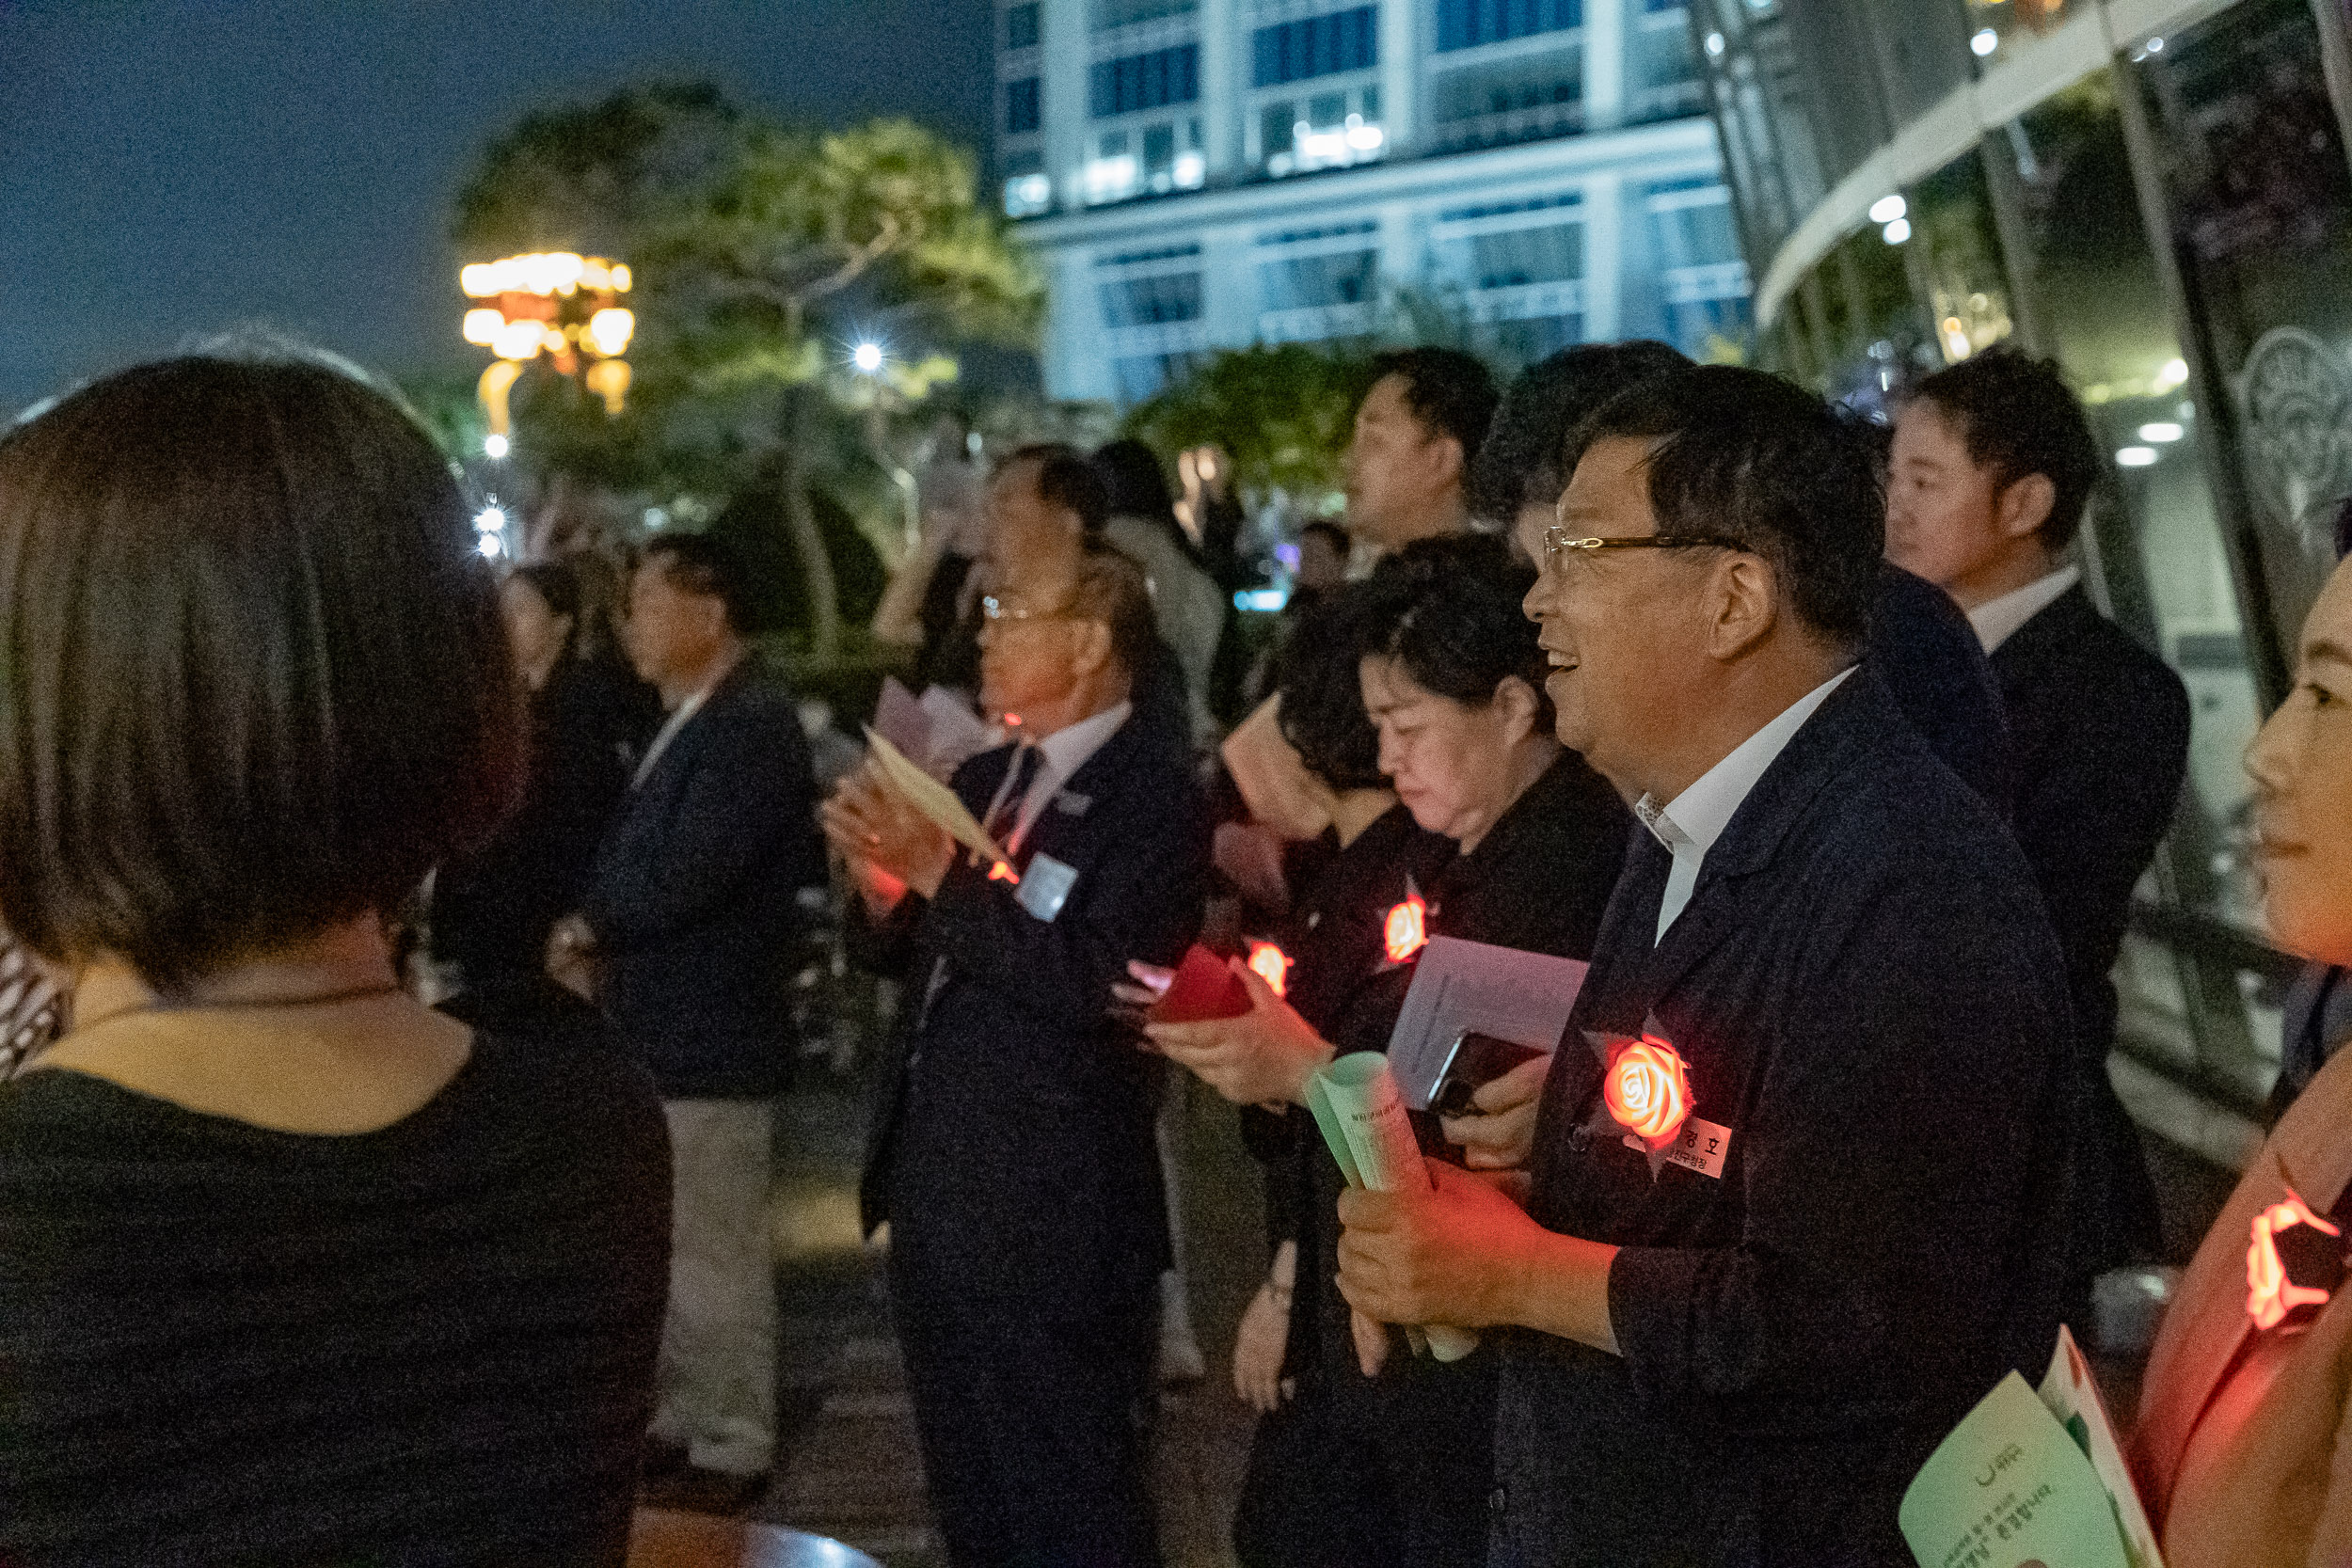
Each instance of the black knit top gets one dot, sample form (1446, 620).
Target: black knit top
(428, 1344)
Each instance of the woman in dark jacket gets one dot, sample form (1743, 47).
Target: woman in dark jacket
(492, 910)
(1392, 1461)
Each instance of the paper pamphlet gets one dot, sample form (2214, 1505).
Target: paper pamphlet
(937, 732)
(900, 719)
(957, 735)
(1470, 986)
(933, 799)
(1356, 1103)
(2072, 1395)
(2012, 1488)
(1203, 988)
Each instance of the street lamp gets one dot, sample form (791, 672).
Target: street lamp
(564, 305)
(867, 358)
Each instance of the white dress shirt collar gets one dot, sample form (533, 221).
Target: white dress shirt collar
(1689, 824)
(1061, 756)
(679, 718)
(1997, 620)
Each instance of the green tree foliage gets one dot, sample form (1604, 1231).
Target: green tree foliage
(1282, 412)
(761, 252)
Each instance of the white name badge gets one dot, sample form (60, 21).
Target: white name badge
(1701, 1145)
(1045, 887)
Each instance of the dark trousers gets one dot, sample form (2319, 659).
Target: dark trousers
(1032, 1424)
(1358, 1474)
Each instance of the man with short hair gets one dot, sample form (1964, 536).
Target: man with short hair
(1804, 1133)
(1417, 430)
(1994, 465)
(693, 902)
(1013, 1150)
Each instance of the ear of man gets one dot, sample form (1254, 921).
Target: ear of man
(1093, 652)
(1744, 600)
(2024, 505)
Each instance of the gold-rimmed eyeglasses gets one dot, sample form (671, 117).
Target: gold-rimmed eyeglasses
(1557, 542)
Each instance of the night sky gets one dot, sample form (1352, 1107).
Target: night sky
(170, 167)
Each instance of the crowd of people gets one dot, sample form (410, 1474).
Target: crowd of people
(1802, 733)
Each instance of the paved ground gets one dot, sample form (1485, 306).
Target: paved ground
(849, 1467)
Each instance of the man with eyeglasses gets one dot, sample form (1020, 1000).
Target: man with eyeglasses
(1013, 1150)
(1783, 1204)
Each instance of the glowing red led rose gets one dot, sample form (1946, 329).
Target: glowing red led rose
(1647, 1089)
(1407, 928)
(2270, 1296)
(1272, 964)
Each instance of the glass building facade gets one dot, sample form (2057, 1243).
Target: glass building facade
(2156, 194)
(1201, 174)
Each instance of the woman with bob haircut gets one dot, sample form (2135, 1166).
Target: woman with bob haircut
(292, 1270)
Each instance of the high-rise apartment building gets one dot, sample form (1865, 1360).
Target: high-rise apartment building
(1208, 173)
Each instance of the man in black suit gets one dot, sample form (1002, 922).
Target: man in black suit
(691, 914)
(1012, 1150)
(1992, 465)
(1800, 1144)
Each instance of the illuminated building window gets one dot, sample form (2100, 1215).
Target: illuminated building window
(1148, 81)
(1021, 26)
(1466, 24)
(1022, 113)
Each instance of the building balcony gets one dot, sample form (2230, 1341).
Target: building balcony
(1512, 125)
(1310, 323)
(1700, 284)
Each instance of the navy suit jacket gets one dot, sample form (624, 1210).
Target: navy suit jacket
(2099, 729)
(1868, 994)
(1011, 1146)
(694, 898)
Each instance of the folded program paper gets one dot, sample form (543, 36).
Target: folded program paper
(935, 799)
(2012, 1487)
(1357, 1106)
(1475, 987)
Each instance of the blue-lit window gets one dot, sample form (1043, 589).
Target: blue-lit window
(1021, 106)
(1318, 46)
(1152, 301)
(1021, 26)
(1465, 24)
(1151, 81)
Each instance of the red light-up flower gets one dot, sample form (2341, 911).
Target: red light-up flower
(1647, 1090)
(1406, 931)
(1272, 965)
(2270, 1294)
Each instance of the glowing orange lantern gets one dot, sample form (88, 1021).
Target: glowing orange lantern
(1649, 1090)
(2270, 1296)
(1272, 965)
(1407, 929)
(1001, 872)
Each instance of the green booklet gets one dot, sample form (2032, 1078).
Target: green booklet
(2030, 1480)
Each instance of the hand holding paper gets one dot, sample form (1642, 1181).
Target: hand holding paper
(1266, 1054)
(931, 798)
(888, 844)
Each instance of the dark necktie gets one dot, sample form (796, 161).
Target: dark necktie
(1019, 774)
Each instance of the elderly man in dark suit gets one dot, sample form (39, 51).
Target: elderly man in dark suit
(1993, 464)
(1012, 1150)
(1798, 1151)
(692, 911)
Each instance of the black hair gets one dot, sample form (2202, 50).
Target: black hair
(253, 681)
(1520, 464)
(1067, 480)
(1322, 711)
(2015, 414)
(706, 565)
(557, 585)
(1449, 611)
(1136, 484)
(1750, 457)
(1113, 590)
(1450, 392)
